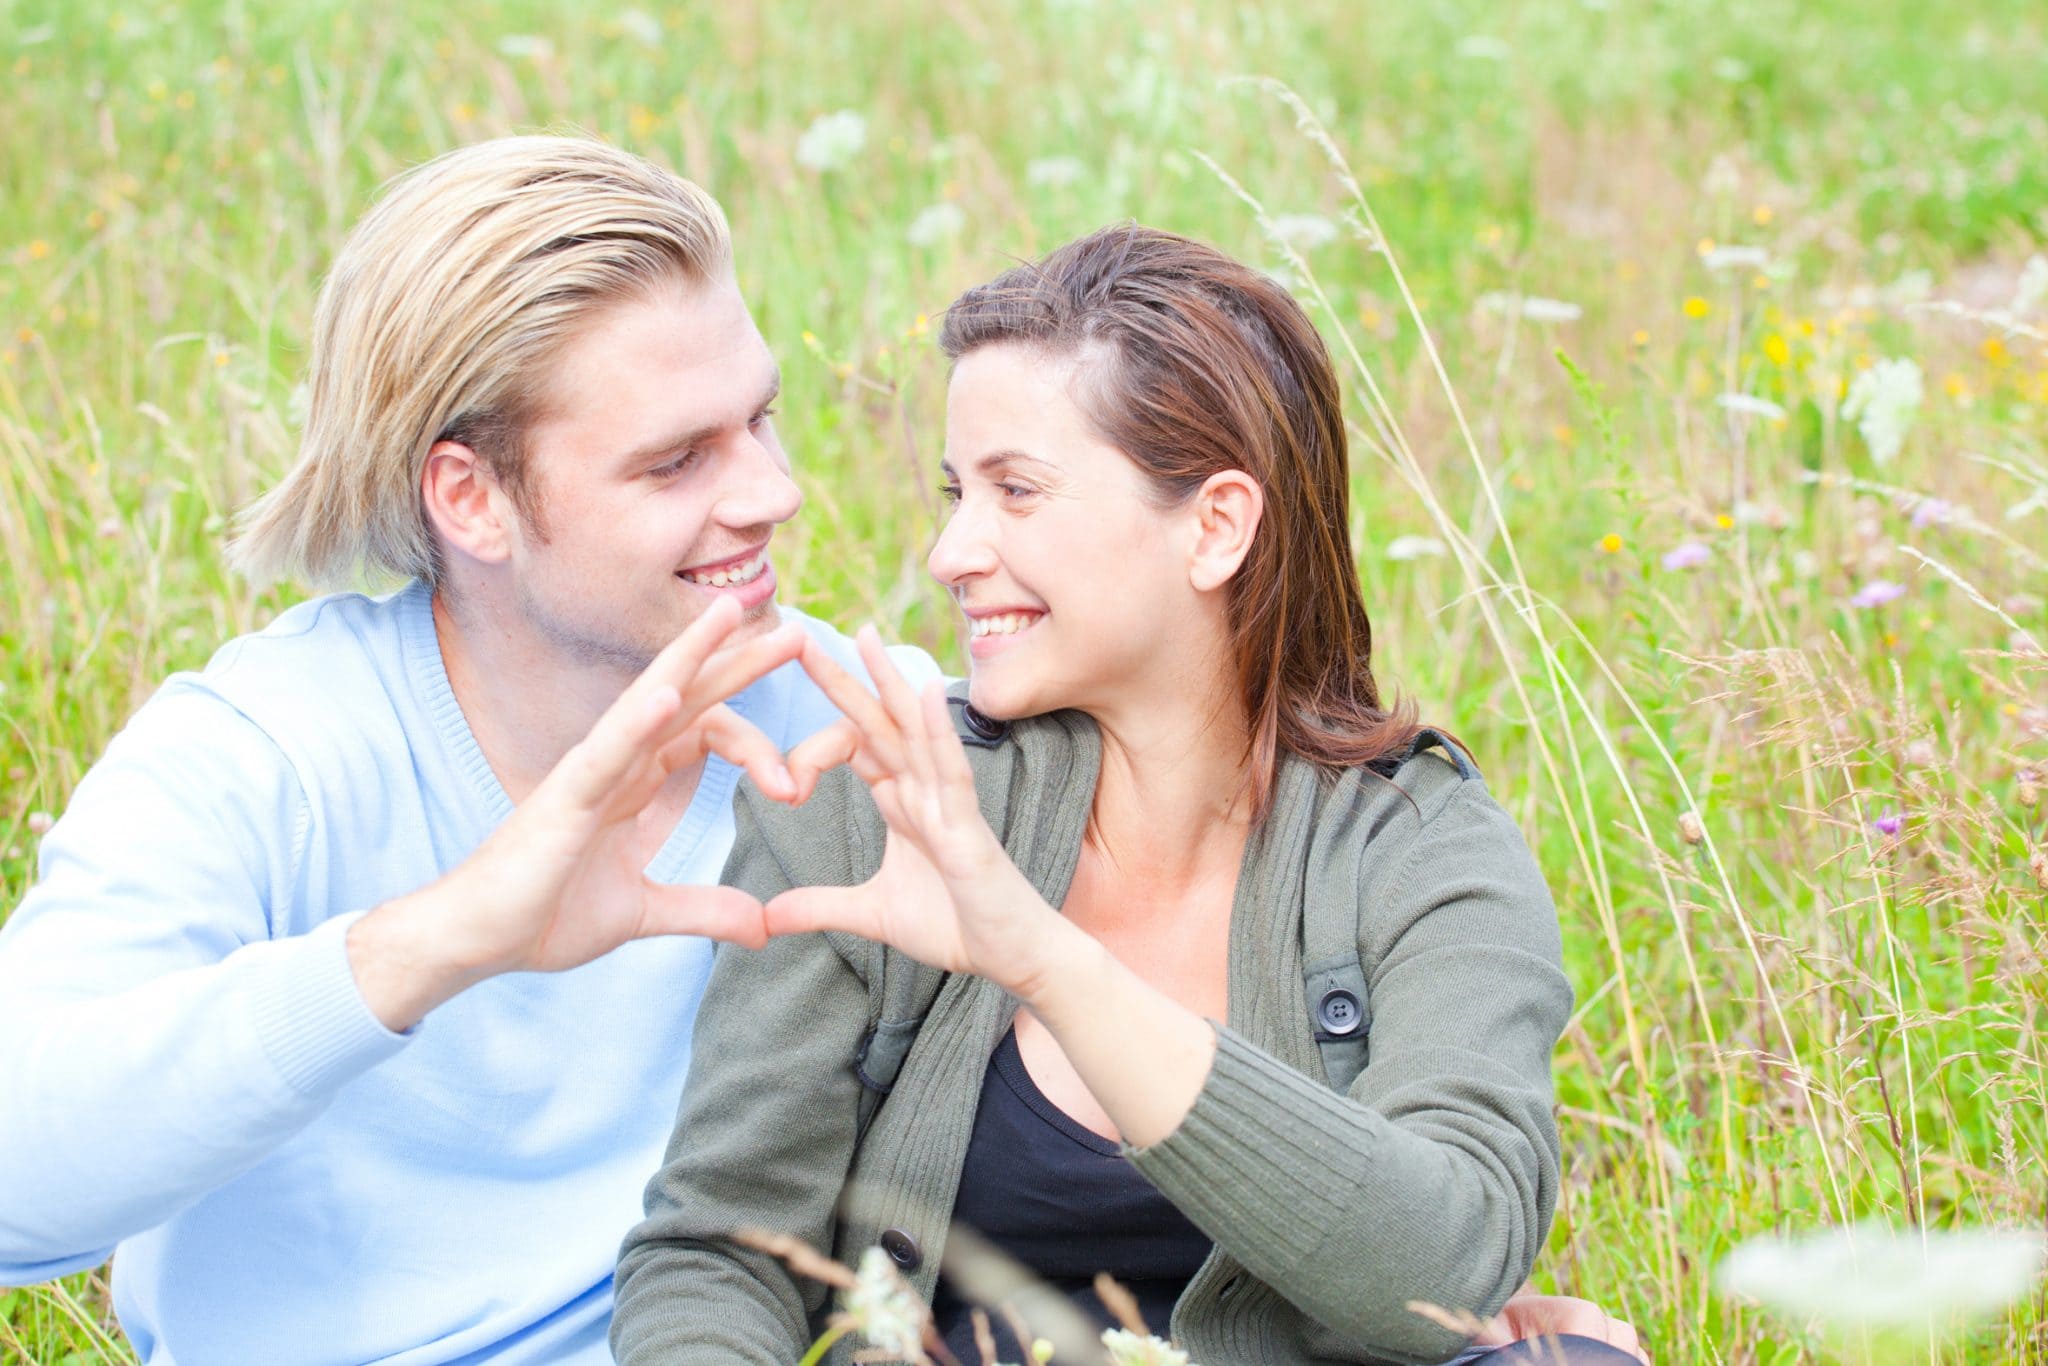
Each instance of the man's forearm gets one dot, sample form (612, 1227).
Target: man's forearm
(407, 957)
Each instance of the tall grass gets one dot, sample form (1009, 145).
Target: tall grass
(1794, 841)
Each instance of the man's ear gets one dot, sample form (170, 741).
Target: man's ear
(465, 503)
(1226, 509)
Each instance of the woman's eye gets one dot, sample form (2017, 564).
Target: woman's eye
(950, 492)
(758, 418)
(1014, 490)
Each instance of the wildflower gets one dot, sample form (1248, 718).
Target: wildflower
(2029, 787)
(884, 1308)
(1882, 402)
(1749, 405)
(1776, 350)
(1128, 1349)
(38, 249)
(1641, 337)
(832, 140)
(1889, 823)
(1761, 215)
(1484, 47)
(1533, 307)
(1054, 171)
(1720, 259)
(1922, 754)
(1304, 231)
(1689, 827)
(1610, 544)
(2039, 863)
(39, 823)
(525, 47)
(1929, 512)
(1414, 547)
(1871, 1277)
(1996, 351)
(935, 225)
(1696, 307)
(641, 27)
(1690, 555)
(1877, 593)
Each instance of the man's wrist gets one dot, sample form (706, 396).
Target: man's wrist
(406, 961)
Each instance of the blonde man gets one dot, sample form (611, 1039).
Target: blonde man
(314, 1010)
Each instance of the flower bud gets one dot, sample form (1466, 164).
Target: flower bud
(1689, 828)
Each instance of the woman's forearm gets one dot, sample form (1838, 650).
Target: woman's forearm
(1142, 1054)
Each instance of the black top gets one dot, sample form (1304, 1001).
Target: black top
(1065, 1202)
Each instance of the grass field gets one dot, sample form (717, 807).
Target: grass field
(1769, 701)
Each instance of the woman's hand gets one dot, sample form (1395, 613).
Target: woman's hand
(563, 880)
(946, 892)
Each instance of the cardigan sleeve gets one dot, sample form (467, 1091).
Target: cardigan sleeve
(764, 1137)
(1435, 1176)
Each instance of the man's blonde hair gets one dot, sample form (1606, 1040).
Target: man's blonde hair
(439, 321)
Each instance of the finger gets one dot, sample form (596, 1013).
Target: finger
(877, 732)
(803, 910)
(682, 659)
(597, 768)
(739, 741)
(890, 686)
(722, 913)
(950, 756)
(919, 750)
(829, 748)
(736, 666)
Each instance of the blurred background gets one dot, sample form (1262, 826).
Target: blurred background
(1698, 356)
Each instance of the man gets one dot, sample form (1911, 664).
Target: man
(355, 995)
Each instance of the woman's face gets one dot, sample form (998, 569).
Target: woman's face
(1075, 587)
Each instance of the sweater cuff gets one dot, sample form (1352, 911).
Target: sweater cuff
(311, 1018)
(1262, 1144)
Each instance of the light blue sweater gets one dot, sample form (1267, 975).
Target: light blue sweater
(187, 1069)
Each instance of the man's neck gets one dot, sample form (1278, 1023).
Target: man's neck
(525, 702)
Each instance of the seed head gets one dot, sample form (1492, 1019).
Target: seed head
(1689, 828)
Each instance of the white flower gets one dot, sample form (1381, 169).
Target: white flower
(641, 26)
(2032, 288)
(1304, 231)
(1054, 171)
(1720, 259)
(884, 1308)
(1882, 403)
(1484, 47)
(1414, 547)
(525, 46)
(1534, 307)
(832, 140)
(1128, 1349)
(1749, 405)
(1873, 1277)
(935, 225)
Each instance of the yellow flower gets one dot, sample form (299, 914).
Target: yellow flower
(1760, 282)
(1696, 307)
(1806, 327)
(1706, 245)
(1957, 386)
(1562, 432)
(1610, 544)
(1995, 352)
(38, 249)
(1641, 337)
(24, 335)
(220, 358)
(922, 325)
(1723, 521)
(1776, 349)
(640, 121)
(1761, 215)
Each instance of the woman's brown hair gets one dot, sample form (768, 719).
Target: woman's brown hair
(1193, 363)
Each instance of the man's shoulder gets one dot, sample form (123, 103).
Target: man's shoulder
(804, 709)
(916, 665)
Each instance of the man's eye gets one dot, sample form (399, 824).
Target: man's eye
(675, 466)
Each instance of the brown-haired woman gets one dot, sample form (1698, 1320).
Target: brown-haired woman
(1169, 773)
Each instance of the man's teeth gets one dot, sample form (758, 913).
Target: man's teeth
(1006, 624)
(746, 571)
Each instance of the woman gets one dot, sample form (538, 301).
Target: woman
(1146, 453)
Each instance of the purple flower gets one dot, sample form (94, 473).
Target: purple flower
(1690, 555)
(1877, 593)
(1889, 824)
(1932, 512)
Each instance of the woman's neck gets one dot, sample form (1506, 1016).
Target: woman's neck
(1173, 798)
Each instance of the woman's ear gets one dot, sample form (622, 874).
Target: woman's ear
(464, 503)
(1226, 509)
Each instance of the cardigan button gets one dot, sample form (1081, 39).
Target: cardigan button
(986, 727)
(1338, 1012)
(902, 1249)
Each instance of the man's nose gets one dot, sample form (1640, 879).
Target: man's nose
(758, 490)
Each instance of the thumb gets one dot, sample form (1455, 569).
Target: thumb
(722, 913)
(802, 910)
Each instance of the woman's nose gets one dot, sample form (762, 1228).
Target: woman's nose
(963, 549)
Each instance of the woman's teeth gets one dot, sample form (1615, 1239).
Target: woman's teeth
(746, 571)
(1007, 624)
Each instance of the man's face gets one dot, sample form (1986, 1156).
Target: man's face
(656, 478)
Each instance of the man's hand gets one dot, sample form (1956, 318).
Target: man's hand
(561, 882)
(1530, 1315)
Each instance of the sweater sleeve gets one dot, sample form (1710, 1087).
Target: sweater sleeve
(156, 1041)
(763, 1138)
(1435, 1177)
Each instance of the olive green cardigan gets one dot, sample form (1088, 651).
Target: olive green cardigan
(1433, 1179)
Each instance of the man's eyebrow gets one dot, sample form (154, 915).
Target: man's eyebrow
(683, 441)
